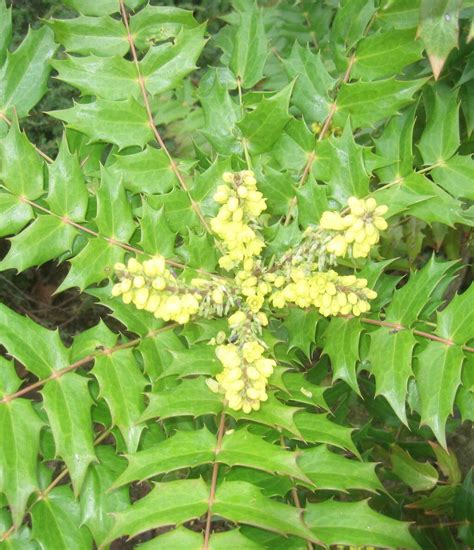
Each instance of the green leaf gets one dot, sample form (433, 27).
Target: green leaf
(312, 202)
(369, 102)
(92, 265)
(456, 176)
(102, 36)
(91, 7)
(156, 235)
(14, 214)
(439, 29)
(106, 77)
(123, 123)
(168, 503)
(220, 114)
(97, 501)
(56, 522)
(121, 385)
(21, 166)
(199, 359)
(340, 162)
(155, 24)
(5, 30)
(242, 502)
(313, 83)
(243, 448)
(400, 14)
(419, 476)
(91, 340)
(440, 138)
(299, 389)
(343, 334)
(391, 356)
(67, 195)
(447, 463)
(148, 171)
(455, 322)
(386, 54)
(182, 450)
(24, 75)
(232, 539)
(261, 127)
(68, 404)
(249, 45)
(114, 217)
(165, 66)
(351, 20)
(316, 428)
(335, 472)
(355, 523)
(45, 239)
(199, 251)
(438, 376)
(40, 350)
(301, 327)
(278, 189)
(191, 398)
(180, 538)
(408, 301)
(20, 427)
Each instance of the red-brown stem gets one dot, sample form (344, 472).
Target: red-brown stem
(59, 373)
(429, 335)
(152, 124)
(212, 492)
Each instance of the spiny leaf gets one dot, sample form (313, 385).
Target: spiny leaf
(40, 350)
(438, 377)
(68, 404)
(156, 235)
(20, 427)
(301, 390)
(391, 357)
(262, 126)
(101, 36)
(351, 20)
(438, 29)
(45, 239)
(180, 538)
(148, 171)
(158, 23)
(249, 45)
(5, 30)
(345, 334)
(21, 167)
(278, 189)
(408, 301)
(456, 176)
(440, 138)
(182, 450)
(168, 503)
(312, 202)
(191, 398)
(200, 359)
(313, 83)
(456, 321)
(301, 326)
(333, 471)
(356, 523)
(67, 193)
(91, 7)
(24, 75)
(121, 385)
(14, 214)
(97, 502)
(316, 428)
(56, 522)
(164, 66)
(242, 502)
(123, 123)
(106, 77)
(419, 476)
(386, 53)
(368, 102)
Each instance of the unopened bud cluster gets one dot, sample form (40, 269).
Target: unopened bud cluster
(236, 222)
(301, 277)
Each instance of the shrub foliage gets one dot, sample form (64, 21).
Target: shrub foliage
(119, 434)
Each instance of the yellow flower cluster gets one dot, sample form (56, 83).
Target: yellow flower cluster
(251, 287)
(357, 231)
(152, 287)
(329, 292)
(236, 220)
(245, 375)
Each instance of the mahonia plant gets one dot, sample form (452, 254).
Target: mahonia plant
(237, 306)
